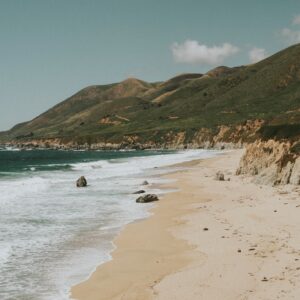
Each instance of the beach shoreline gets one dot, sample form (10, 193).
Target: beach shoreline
(123, 239)
(207, 240)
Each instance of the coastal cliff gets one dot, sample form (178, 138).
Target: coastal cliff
(223, 137)
(272, 162)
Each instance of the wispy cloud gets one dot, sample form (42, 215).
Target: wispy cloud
(296, 20)
(193, 52)
(292, 36)
(257, 54)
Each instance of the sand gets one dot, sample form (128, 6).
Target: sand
(208, 240)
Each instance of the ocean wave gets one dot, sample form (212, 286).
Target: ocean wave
(9, 149)
(48, 167)
(48, 224)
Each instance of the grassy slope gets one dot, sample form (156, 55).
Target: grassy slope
(268, 90)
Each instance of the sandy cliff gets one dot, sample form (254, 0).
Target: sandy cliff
(271, 162)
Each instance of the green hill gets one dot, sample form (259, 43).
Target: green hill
(227, 102)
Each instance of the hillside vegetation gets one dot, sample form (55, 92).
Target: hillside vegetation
(132, 111)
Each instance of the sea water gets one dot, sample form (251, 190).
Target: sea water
(52, 234)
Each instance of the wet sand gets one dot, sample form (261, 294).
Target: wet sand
(208, 240)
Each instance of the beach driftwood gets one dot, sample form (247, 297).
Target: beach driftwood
(81, 182)
(147, 198)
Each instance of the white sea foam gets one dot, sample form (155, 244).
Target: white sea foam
(8, 148)
(52, 235)
(5, 251)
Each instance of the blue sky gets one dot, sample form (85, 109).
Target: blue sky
(51, 49)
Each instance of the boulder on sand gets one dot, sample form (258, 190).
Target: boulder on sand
(220, 176)
(147, 198)
(145, 182)
(81, 182)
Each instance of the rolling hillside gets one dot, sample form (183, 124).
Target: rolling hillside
(234, 104)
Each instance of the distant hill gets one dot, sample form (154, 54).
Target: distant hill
(233, 104)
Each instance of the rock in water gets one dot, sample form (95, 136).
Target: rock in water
(147, 198)
(145, 182)
(81, 182)
(139, 192)
(220, 176)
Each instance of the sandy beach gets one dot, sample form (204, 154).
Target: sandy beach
(211, 239)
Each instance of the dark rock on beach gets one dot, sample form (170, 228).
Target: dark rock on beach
(147, 198)
(220, 176)
(81, 182)
(145, 182)
(139, 192)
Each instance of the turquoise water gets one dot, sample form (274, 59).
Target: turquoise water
(52, 234)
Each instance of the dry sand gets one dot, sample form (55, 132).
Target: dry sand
(210, 240)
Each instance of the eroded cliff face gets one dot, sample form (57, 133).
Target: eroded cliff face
(271, 162)
(222, 137)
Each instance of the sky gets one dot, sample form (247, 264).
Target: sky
(51, 49)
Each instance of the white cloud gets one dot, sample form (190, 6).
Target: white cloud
(257, 54)
(192, 52)
(291, 36)
(296, 20)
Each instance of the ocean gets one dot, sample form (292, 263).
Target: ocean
(52, 234)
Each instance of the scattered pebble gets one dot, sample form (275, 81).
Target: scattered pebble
(205, 228)
(265, 279)
(239, 251)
